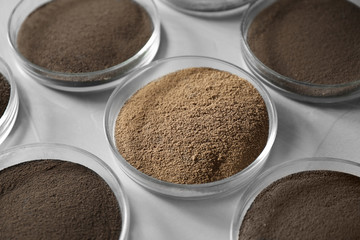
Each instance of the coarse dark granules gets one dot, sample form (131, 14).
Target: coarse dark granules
(48, 199)
(309, 205)
(4, 94)
(310, 41)
(77, 36)
(193, 126)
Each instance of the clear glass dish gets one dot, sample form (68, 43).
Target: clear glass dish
(208, 8)
(283, 170)
(317, 93)
(82, 82)
(26, 153)
(153, 71)
(8, 119)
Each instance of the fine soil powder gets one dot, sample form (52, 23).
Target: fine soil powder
(309, 41)
(309, 205)
(48, 199)
(4, 94)
(193, 126)
(77, 36)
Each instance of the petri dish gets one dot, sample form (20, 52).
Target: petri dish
(292, 88)
(87, 81)
(153, 71)
(208, 8)
(26, 153)
(280, 171)
(8, 119)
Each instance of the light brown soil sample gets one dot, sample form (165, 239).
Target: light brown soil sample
(50, 199)
(193, 126)
(77, 36)
(309, 205)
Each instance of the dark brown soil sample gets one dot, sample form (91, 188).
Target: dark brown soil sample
(4, 94)
(77, 36)
(309, 205)
(50, 199)
(309, 41)
(193, 126)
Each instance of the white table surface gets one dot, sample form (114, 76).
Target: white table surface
(305, 130)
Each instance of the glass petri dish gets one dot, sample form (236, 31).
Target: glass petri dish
(39, 151)
(8, 119)
(283, 170)
(89, 81)
(209, 8)
(302, 91)
(153, 71)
